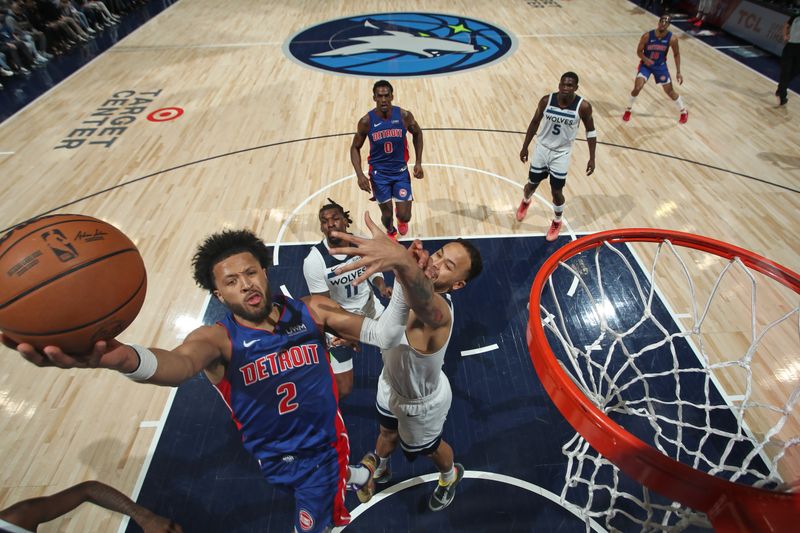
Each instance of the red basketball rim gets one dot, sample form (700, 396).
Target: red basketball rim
(730, 506)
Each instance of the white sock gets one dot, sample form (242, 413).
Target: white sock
(448, 477)
(382, 465)
(631, 102)
(679, 103)
(359, 474)
(558, 210)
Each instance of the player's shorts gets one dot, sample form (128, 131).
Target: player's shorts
(341, 358)
(419, 422)
(316, 478)
(387, 186)
(660, 73)
(546, 161)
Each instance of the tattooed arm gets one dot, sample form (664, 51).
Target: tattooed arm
(380, 254)
(429, 307)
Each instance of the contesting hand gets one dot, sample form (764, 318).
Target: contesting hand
(378, 254)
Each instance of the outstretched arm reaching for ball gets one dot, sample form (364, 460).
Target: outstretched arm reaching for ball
(203, 348)
(380, 254)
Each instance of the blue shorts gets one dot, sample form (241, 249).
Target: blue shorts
(314, 480)
(388, 186)
(660, 73)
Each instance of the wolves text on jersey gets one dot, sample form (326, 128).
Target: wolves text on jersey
(346, 279)
(277, 362)
(561, 120)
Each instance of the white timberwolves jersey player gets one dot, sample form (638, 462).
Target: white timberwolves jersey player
(319, 270)
(560, 126)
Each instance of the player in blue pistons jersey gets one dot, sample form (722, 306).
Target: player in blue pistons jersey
(268, 359)
(652, 51)
(386, 127)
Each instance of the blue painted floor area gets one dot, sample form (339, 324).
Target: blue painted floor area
(20, 90)
(501, 421)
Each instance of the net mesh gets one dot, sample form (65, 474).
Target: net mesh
(695, 354)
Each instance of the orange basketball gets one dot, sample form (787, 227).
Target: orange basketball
(68, 281)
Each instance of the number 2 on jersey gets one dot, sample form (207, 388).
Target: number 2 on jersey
(289, 392)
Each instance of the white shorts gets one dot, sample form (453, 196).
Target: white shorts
(556, 163)
(337, 352)
(419, 422)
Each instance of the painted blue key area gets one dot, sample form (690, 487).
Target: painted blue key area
(501, 420)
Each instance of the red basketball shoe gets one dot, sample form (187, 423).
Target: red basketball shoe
(626, 116)
(552, 233)
(522, 209)
(684, 117)
(402, 227)
(392, 234)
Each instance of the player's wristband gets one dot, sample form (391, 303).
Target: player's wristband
(148, 363)
(591, 134)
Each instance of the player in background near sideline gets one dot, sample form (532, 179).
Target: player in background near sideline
(562, 113)
(386, 128)
(652, 51)
(790, 57)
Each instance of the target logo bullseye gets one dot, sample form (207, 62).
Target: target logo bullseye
(165, 114)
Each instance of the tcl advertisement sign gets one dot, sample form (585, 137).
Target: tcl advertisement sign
(758, 25)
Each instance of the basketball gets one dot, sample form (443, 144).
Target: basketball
(68, 281)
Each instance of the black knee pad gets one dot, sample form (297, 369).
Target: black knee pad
(535, 178)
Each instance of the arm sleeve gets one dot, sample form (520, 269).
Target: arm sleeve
(314, 273)
(388, 330)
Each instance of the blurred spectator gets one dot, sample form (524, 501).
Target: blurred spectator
(35, 40)
(17, 53)
(5, 70)
(703, 7)
(97, 13)
(68, 10)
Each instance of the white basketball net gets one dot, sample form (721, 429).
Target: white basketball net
(623, 362)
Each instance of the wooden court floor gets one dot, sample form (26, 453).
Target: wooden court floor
(263, 141)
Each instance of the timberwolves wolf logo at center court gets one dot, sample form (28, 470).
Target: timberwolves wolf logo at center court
(400, 45)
